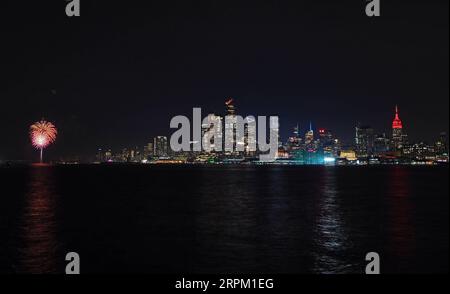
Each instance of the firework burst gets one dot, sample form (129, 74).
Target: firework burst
(42, 134)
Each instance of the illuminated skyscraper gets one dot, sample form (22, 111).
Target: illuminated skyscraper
(325, 137)
(294, 145)
(295, 141)
(274, 125)
(397, 131)
(160, 146)
(250, 141)
(380, 144)
(364, 141)
(311, 147)
(150, 147)
(441, 147)
(212, 127)
(297, 133)
(326, 142)
(441, 144)
(99, 157)
(309, 136)
(230, 127)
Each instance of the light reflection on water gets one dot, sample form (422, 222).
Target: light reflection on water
(330, 236)
(400, 229)
(38, 241)
(224, 219)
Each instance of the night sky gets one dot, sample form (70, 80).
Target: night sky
(115, 76)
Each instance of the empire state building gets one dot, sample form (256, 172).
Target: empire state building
(397, 131)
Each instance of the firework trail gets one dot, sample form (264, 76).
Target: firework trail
(42, 134)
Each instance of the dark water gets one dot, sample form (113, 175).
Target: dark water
(225, 219)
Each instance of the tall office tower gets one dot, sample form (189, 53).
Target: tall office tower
(297, 137)
(397, 132)
(364, 141)
(441, 144)
(326, 142)
(380, 144)
(160, 146)
(294, 145)
(274, 126)
(212, 133)
(148, 150)
(311, 147)
(295, 140)
(100, 156)
(337, 147)
(441, 147)
(309, 136)
(230, 127)
(250, 140)
(325, 137)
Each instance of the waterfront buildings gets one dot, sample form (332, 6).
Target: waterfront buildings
(364, 141)
(160, 146)
(398, 136)
(323, 148)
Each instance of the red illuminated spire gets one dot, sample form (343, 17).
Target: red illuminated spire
(397, 123)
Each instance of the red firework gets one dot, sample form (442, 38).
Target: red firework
(42, 134)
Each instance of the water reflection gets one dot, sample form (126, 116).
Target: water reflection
(400, 220)
(37, 245)
(225, 221)
(330, 236)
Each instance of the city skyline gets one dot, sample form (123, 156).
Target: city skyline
(115, 82)
(310, 131)
(313, 146)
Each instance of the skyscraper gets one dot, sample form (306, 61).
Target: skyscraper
(250, 137)
(364, 141)
(309, 136)
(274, 130)
(295, 140)
(99, 157)
(380, 144)
(326, 142)
(397, 131)
(148, 150)
(441, 147)
(230, 127)
(160, 146)
(294, 145)
(325, 137)
(441, 144)
(213, 127)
